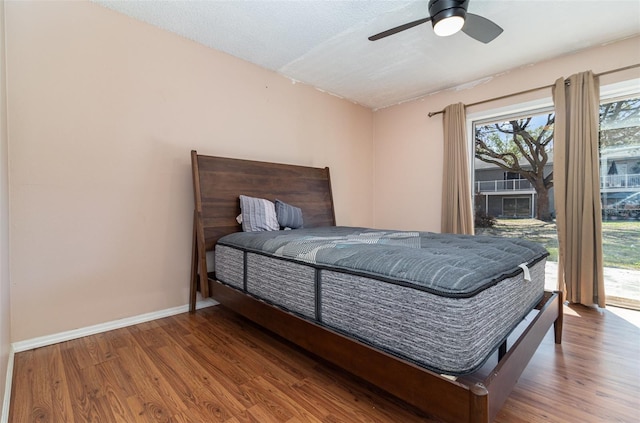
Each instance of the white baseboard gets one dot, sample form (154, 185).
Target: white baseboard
(4, 412)
(43, 341)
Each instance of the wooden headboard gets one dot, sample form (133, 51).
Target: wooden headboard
(219, 181)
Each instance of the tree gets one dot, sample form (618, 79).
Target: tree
(521, 146)
(620, 123)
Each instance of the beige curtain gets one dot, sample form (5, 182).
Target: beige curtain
(457, 213)
(576, 182)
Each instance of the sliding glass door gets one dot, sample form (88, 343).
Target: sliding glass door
(513, 188)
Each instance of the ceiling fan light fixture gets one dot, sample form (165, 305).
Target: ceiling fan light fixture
(448, 26)
(447, 16)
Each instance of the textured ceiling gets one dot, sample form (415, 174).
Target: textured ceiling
(324, 43)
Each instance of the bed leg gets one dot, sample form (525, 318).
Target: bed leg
(557, 325)
(478, 404)
(193, 287)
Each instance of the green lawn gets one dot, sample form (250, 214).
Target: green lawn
(621, 244)
(621, 239)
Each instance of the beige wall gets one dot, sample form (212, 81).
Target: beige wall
(408, 144)
(5, 306)
(103, 112)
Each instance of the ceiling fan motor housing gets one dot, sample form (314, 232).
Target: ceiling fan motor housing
(442, 9)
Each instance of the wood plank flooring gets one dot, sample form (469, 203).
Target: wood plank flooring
(214, 366)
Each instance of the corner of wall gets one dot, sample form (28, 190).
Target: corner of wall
(6, 352)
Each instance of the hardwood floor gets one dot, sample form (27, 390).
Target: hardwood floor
(215, 366)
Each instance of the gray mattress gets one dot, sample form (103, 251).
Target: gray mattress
(445, 302)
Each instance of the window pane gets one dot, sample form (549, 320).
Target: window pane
(514, 181)
(620, 192)
(514, 157)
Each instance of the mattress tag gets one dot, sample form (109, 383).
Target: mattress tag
(525, 269)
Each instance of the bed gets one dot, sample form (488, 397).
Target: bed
(316, 301)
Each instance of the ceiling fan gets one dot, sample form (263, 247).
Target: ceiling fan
(449, 17)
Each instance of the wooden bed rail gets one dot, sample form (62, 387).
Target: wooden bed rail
(505, 375)
(428, 391)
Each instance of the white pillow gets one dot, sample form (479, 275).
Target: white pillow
(258, 214)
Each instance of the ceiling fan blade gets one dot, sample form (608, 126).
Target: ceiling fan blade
(398, 29)
(482, 29)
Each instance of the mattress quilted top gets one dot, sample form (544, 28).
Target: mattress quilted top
(443, 264)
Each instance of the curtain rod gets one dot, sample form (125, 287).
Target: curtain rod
(534, 89)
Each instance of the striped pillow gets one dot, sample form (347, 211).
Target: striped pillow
(288, 215)
(258, 214)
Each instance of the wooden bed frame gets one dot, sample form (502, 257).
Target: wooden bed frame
(218, 182)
